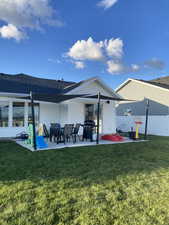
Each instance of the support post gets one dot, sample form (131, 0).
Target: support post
(147, 114)
(98, 119)
(33, 121)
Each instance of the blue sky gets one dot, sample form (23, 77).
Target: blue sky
(129, 38)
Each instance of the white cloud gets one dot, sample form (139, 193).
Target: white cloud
(155, 63)
(106, 4)
(114, 47)
(109, 51)
(86, 50)
(10, 31)
(27, 13)
(91, 50)
(79, 65)
(135, 67)
(115, 67)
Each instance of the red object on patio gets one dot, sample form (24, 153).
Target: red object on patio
(138, 122)
(112, 137)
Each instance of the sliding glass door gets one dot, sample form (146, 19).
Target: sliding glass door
(91, 113)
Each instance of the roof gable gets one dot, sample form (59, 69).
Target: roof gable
(87, 86)
(151, 83)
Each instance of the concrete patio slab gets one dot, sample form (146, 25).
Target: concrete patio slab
(55, 146)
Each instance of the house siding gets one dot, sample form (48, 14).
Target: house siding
(92, 88)
(109, 112)
(76, 114)
(135, 90)
(49, 113)
(139, 108)
(109, 118)
(158, 120)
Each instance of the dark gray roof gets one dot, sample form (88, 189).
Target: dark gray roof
(21, 83)
(162, 80)
(158, 83)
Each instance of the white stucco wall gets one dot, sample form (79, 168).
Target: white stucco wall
(157, 125)
(109, 118)
(76, 113)
(49, 113)
(63, 114)
(108, 114)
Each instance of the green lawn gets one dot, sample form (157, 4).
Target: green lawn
(123, 184)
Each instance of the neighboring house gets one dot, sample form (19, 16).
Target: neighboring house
(15, 113)
(157, 92)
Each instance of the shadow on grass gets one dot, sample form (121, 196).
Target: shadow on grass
(90, 165)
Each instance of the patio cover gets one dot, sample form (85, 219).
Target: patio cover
(58, 98)
(53, 98)
(108, 98)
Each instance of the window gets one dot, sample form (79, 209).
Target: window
(18, 114)
(91, 111)
(36, 110)
(4, 111)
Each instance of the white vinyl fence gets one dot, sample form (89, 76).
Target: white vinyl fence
(157, 125)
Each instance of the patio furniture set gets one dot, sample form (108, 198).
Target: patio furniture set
(69, 132)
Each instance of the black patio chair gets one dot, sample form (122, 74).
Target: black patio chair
(88, 128)
(55, 132)
(46, 132)
(67, 132)
(75, 133)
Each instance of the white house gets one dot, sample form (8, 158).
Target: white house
(15, 113)
(157, 92)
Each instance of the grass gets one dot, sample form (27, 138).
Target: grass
(123, 184)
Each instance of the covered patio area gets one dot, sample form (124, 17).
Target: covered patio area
(59, 137)
(62, 136)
